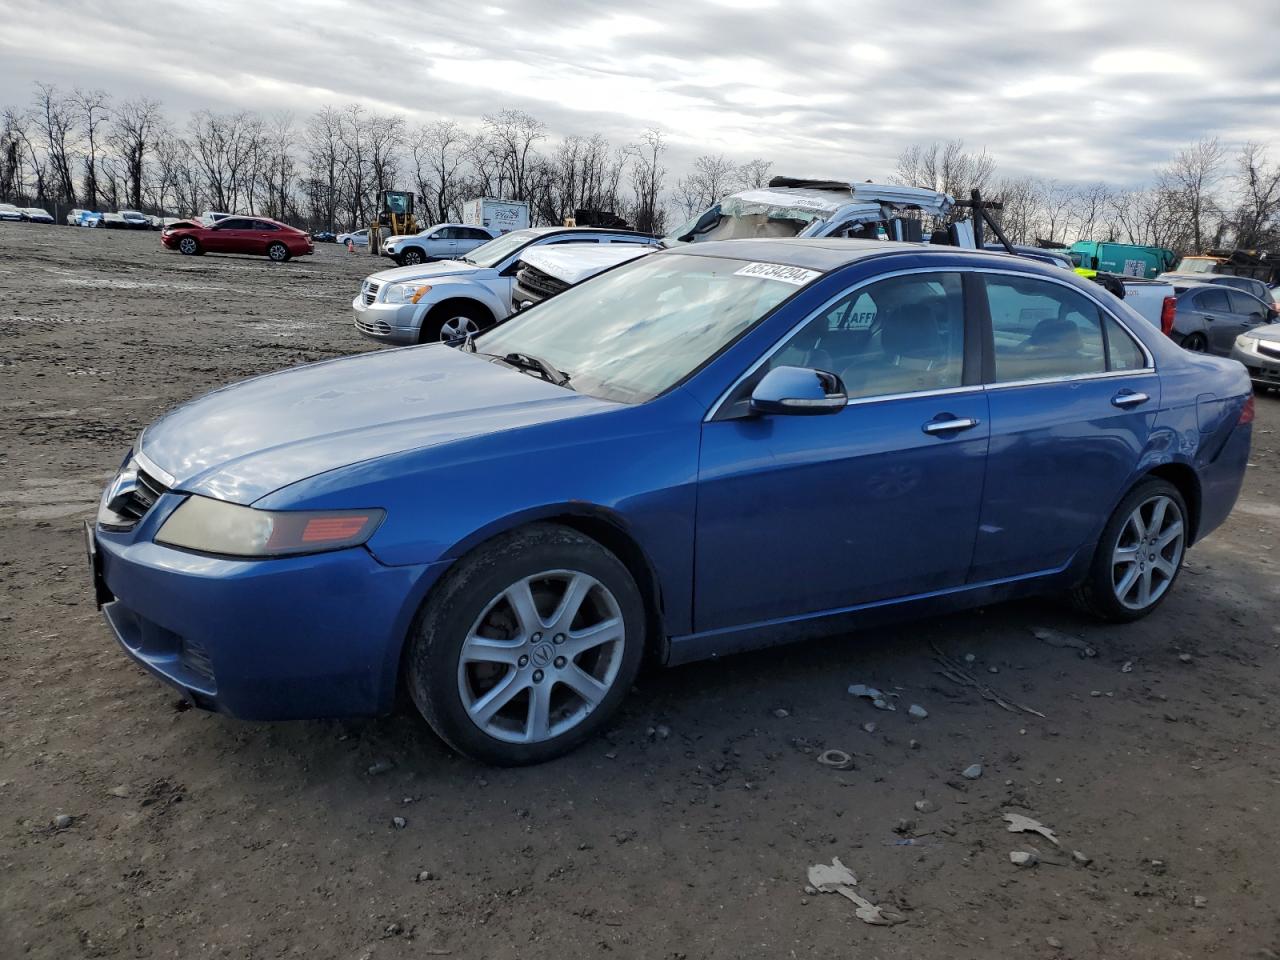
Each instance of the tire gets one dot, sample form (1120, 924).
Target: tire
(278, 252)
(190, 246)
(451, 323)
(1152, 556)
(1195, 342)
(575, 693)
(412, 257)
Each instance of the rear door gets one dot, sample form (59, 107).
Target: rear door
(1072, 396)
(263, 233)
(1221, 325)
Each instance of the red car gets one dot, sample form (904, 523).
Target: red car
(255, 235)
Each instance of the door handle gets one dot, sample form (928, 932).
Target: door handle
(1127, 398)
(954, 424)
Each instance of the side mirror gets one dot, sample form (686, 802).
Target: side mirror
(798, 391)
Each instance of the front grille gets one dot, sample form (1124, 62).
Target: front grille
(1268, 350)
(146, 491)
(370, 292)
(377, 327)
(542, 285)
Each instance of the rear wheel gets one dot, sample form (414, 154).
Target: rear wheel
(190, 246)
(1139, 555)
(1195, 342)
(278, 252)
(527, 646)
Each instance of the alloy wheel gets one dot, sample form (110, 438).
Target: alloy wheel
(187, 245)
(541, 656)
(411, 258)
(458, 328)
(277, 252)
(1148, 552)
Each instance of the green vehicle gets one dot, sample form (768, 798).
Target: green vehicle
(1123, 258)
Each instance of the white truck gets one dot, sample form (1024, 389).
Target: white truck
(500, 216)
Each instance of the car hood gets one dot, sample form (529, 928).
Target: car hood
(428, 271)
(1269, 332)
(251, 438)
(575, 262)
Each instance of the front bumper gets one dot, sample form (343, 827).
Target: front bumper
(1262, 367)
(397, 323)
(290, 638)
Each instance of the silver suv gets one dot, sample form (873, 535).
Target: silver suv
(450, 299)
(444, 241)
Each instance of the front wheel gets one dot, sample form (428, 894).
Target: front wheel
(1139, 555)
(412, 257)
(527, 646)
(189, 245)
(278, 252)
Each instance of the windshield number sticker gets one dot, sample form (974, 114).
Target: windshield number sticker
(796, 276)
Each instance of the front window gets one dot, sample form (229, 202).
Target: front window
(495, 251)
(1196, 265)
(637, 331)
(740, 217)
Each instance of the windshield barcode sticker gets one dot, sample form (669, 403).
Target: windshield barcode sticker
(797, 276)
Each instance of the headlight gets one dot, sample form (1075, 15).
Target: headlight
(1247, 342)
(215, 526)
(405, 292)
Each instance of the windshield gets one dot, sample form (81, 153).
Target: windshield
(734, 218)
(495, 251)
(1196, 265)
(635, 332)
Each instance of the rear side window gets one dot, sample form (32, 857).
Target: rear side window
(264, 225)
(473, 234)
(1213, 300)
(1043, 330)
(1122, 351)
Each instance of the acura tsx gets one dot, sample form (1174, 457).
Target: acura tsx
(714, 448)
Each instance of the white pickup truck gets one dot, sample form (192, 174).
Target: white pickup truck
(1153, 300)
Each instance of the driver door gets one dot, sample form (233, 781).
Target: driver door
(804, 515)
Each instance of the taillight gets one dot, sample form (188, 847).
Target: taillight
(1167, 311)
(1246, 415)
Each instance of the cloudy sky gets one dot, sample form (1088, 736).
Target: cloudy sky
(831, 88)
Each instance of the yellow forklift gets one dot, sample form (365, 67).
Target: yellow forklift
(395, 217)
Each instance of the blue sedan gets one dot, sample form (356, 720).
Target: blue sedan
(715, 448)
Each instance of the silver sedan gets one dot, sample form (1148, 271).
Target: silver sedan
(1259, 350)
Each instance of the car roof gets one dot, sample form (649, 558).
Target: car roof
(830, 253)
(542, 231)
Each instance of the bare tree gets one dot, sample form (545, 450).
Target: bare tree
(54, 117)
(647, 176)
(712, 178)
(324, 165)
(134, 127)
(755, 173)
(439, 155)
(1190, 182)
(947, 167)
(512, 136)
(1257, 218)
(13, 147)
(93, 108)
(224, 145)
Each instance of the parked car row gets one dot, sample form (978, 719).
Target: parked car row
(15, 214)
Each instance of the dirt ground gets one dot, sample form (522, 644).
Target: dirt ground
(687, 831)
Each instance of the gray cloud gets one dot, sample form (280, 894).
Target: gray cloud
(836, 89)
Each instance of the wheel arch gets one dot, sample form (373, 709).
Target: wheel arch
(1187, 482)
(472, 304)
(599, 523)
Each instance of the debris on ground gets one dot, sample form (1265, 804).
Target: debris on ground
(870, 727)
(1127, 667)
(1184, 657)
(62, 821)
(878, 700)
(905, 827)
(953, 671)
(836, 759)
(782, 713)
(1200, 901)
(1081, 858)
(1053, 942)
(1020, 824)
(837, 878)
(1023, 858)
(399, 822)
(425, 876)
(972, 772)
(379, 767)
(1056, 638)
(925, 806)
(917, 711)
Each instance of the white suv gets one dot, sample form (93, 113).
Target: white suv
(449, 299)
(444, 241)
